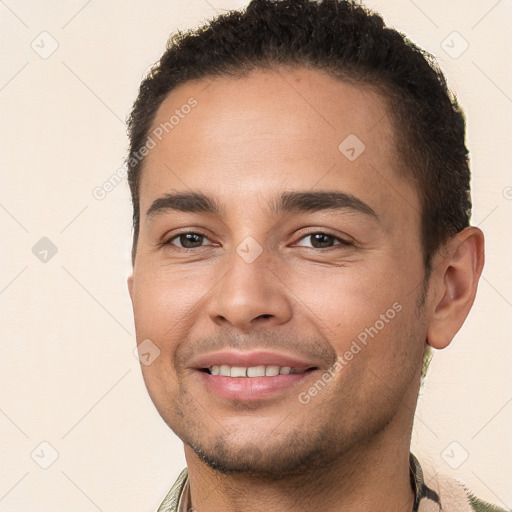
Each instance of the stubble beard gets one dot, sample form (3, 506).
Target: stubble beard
(313, 446)
(323, 438)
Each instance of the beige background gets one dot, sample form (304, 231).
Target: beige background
(68, 373)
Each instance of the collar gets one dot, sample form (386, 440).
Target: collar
(422, 493)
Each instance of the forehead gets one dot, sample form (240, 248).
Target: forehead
(246, 137)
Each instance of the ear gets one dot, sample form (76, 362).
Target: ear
(130, 285)
(456, 277)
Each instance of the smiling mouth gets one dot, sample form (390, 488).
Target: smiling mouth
(225, 370)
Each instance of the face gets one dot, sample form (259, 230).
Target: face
(278, 271)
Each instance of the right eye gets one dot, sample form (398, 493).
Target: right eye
(187, 240)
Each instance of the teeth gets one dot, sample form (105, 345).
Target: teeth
(251, 371)
(238, 371)
(271, 371)
(256, 371)
(225, 370)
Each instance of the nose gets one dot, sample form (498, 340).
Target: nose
(250, 295)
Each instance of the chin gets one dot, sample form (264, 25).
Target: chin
(266, 454)
(256, 461)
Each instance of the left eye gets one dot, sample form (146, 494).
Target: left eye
(321, 241)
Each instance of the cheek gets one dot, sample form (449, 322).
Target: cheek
(165, 303)
(164, 298)
(368, 316)
(380, 362)
(346, 300)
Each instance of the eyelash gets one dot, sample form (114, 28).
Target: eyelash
(342, 242)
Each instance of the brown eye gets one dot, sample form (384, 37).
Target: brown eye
(187, 240)
(321, 241)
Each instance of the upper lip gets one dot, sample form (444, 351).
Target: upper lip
(250, 358)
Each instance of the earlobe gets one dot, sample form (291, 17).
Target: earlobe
(130, 285)
(457, 274)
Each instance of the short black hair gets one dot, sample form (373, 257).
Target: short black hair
(351, 43)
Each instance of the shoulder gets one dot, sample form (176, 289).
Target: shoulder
(171, 501)
(483, 506)
(454, 496)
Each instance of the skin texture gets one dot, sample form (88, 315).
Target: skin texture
(246, 142)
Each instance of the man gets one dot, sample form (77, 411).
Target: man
(300, 186)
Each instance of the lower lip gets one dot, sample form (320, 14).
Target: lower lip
(250, 388)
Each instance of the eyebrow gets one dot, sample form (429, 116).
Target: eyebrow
(288, 202)
(191, 202)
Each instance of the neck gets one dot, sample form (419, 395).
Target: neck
(372, 475)
(375, 476)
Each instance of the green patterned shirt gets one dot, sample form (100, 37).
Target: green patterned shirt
(442, 494)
